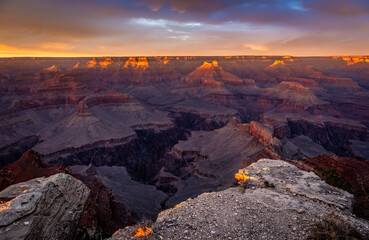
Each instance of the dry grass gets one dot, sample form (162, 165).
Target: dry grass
(143, 230)
(334, 228)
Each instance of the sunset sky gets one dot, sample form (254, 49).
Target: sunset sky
(183, 27)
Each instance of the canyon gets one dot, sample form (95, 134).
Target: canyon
(146, 133)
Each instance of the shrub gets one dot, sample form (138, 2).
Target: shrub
(334, 228)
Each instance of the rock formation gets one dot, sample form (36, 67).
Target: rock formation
(91, 63)
(211, 75)
(162, 126)
(214, 164)
(29, 166)
(42, 208)
(276, 201)
(346, 173)
(276, 62)
(354, 60)
(164, 60)
(102, 214)
(52, 68)
(338, 84)
(294, 93)
(106, 62)
(139, 63)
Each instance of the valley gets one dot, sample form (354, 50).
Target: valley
(151, 132)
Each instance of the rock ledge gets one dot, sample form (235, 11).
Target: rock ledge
(276, 201)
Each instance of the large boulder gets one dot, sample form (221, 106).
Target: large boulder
(275, 200)
(42, 208)
(102, 214)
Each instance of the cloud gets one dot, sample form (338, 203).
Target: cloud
(184, 6)
(256, 47)
(175, 27)
(163, 23)
(340, 8)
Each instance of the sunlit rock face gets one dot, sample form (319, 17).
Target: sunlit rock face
(163, 60)
(75, 66)
(91, 63)
(288, 58)
(203, 75)
(354, 60)
(52, 68)
(106, 62)
(277, 62)
(210, 74)
(139, 63)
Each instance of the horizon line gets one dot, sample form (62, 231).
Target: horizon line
(124, 56)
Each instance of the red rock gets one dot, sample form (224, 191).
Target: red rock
(102, 211)
(304, 81)
(294, 93)
(265, 153)
(52, 68)
(210, 74)
(352, 175)
(262, 133)
(140, 63)
(29, 166)
(338, 83)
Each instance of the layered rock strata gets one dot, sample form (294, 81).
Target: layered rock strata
(42, 208)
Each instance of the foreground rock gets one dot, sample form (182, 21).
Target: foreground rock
(276, 200)
(102, 214)
(349, 174)
(42, 208)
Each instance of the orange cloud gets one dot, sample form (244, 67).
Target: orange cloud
(4, 49)
(256, 47)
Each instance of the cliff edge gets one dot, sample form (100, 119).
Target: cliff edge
(275, 200)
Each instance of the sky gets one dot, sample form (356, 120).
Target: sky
(183, 27)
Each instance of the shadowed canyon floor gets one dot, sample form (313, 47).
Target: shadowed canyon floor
(146, 133)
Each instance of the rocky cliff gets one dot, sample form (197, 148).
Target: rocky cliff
(42, 208)
(161, 127)
(276, 200)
